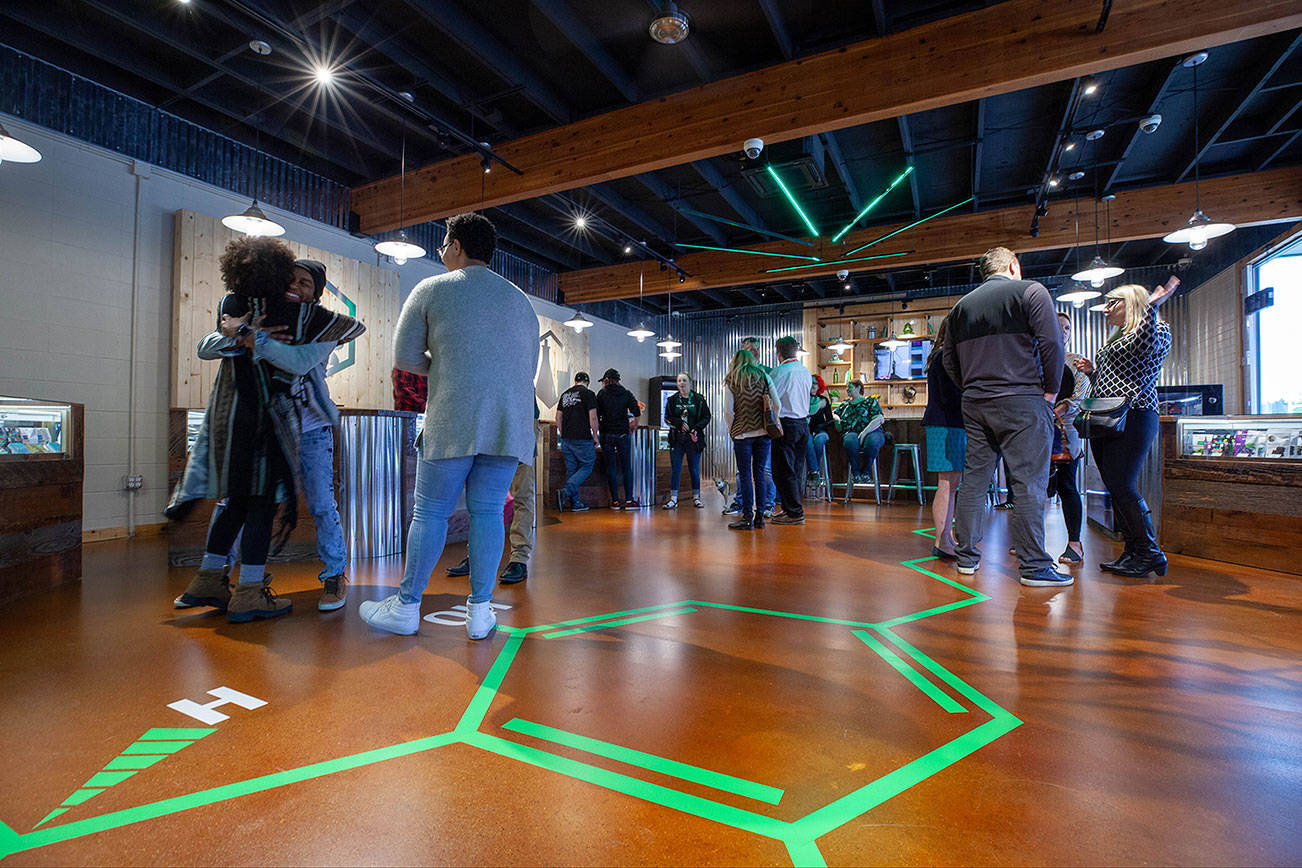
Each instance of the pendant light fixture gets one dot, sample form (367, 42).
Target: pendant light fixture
(669, 344)
(671, 26)
(840, 346)
(14, 151)
(1200, 227)
(1077, 295)
(641, 332)
(578, 322)
(400, 248)
(253, 221)
(1098, 270)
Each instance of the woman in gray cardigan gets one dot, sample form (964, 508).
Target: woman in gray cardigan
(446, 327)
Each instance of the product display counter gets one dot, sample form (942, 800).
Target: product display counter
(1232, 489)
(375, 477)
(41, 474)
(650, 448)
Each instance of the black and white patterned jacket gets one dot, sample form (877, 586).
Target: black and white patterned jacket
(1129, 366)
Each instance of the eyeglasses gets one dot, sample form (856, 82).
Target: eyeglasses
(447, 242)
(1111, 301)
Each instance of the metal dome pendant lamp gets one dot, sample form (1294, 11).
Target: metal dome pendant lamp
(14, 151)
(400, 248)
(1200, 227)
(1098, 270)
(669, 345)
(641, 332)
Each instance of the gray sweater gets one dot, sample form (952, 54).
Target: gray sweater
(1004, 339)
(475, 335)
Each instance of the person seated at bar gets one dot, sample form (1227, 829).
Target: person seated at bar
(860, 420)
(820, 426)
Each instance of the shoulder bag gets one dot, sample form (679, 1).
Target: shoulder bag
(772, 421)
(1102, 418)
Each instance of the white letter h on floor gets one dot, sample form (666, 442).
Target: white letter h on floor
(208, 713)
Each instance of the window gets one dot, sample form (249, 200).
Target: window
(1277, 388)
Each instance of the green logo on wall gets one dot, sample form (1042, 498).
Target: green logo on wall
(344, 356)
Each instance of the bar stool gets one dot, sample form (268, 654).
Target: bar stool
(850, 484)
(912, 450)
(823, 489)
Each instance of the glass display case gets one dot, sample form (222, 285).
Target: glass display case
(35, 428)
(1276, 438)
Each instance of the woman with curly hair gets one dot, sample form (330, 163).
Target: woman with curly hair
(247, 448)
(820, 427)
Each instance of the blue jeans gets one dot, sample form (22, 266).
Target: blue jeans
(580, 456)
(861, 449)
(769, 487)
(676, 454)
(486, 479)
(815, 451)
(316, 456)
(752, 459)
(618, 449)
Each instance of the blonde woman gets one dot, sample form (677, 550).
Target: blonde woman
(1128, 366)
(748, 387)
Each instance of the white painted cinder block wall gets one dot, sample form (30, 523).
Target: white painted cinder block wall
(73, 247)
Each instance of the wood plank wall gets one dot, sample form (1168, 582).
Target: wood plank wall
(198, 289)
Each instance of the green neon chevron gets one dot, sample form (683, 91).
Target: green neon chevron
(800, 836)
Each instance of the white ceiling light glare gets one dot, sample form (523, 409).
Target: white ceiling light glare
(1097, 273)
(1091, 88)
(671, 26)
(580, 222)
(14, 151)
(1076, 176)
(257, 46)
(1094, 135)
(1053, 182)
(578, 322)
(253, 221)
(669, 343)
(1070, 146)
(324, 75)
(1200, 228)
(1078, 295)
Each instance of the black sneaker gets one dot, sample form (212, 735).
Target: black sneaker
(733, 509)
(579, 506)
(514, 572)
(1047, 578)
(461, 569)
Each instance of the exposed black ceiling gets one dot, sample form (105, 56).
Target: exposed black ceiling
(488, 72)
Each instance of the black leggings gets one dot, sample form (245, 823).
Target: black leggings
(1062, 481)
(1120, 459)
(255, 515)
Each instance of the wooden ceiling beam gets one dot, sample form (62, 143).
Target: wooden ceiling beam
(1263, 197)
(1007, 47)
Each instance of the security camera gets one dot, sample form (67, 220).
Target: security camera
(1150, 123)
(752, 147)
(843, 274)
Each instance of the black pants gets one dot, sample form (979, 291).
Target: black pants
(618, 450)
(255, 515)
(1062, 481)
(789, 465)
(1119, 460)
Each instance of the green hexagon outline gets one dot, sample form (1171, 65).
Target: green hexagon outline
(799, 836)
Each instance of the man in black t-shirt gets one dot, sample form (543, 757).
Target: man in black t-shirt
(577, 418)
(617, 412)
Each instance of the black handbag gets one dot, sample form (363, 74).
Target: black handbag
(1102, 418)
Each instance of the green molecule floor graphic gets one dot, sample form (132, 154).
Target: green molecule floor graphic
(799, 834)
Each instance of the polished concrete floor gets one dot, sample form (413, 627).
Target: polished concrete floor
(690, 696)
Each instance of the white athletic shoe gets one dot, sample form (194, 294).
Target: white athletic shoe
(480, 622)
(671, 503)
(391, 614)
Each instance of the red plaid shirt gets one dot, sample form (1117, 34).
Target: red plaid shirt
(410, 391)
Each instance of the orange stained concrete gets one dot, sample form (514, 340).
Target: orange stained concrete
(1117, 722)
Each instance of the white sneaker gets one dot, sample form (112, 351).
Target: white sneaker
(671, 503)
(391, 615)
(696, 502)
(480, 620)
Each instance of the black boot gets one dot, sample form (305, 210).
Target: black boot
(745, 522)
(1145, 557)
(759, 520)
(1119, 519)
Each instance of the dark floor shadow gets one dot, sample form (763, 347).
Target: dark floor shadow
(1216, 588)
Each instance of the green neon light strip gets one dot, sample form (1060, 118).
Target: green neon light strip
(792, 199)
(151, 747)
(165, 734)
(938, 696)
(910, 226)
(622, 621)
(873, 204)
(756, 229)
(670, 798)
(650, 762)
(132, 762)
(750, 252)
(839, 262)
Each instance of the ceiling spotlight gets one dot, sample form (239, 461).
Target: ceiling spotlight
(1053, 182)
(324, 75)
(257, 46)
(253, 222)
(407, 95)
(628, 248)
(682, 278)
(1070, 146)
(487, 162)
(1091, 89)
(671, 26)
(15, 151)
(846, 287)
(1076, 176)
(1094, 135)
(580, 222)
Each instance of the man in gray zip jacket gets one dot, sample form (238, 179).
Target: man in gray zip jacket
(1003, 348)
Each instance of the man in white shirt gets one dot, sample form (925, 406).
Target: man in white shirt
(791, 382)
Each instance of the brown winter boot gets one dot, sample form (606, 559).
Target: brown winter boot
(252, 601)
(208, 588)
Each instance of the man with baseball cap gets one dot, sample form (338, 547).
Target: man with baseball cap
(617, 415)
(576, 417)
